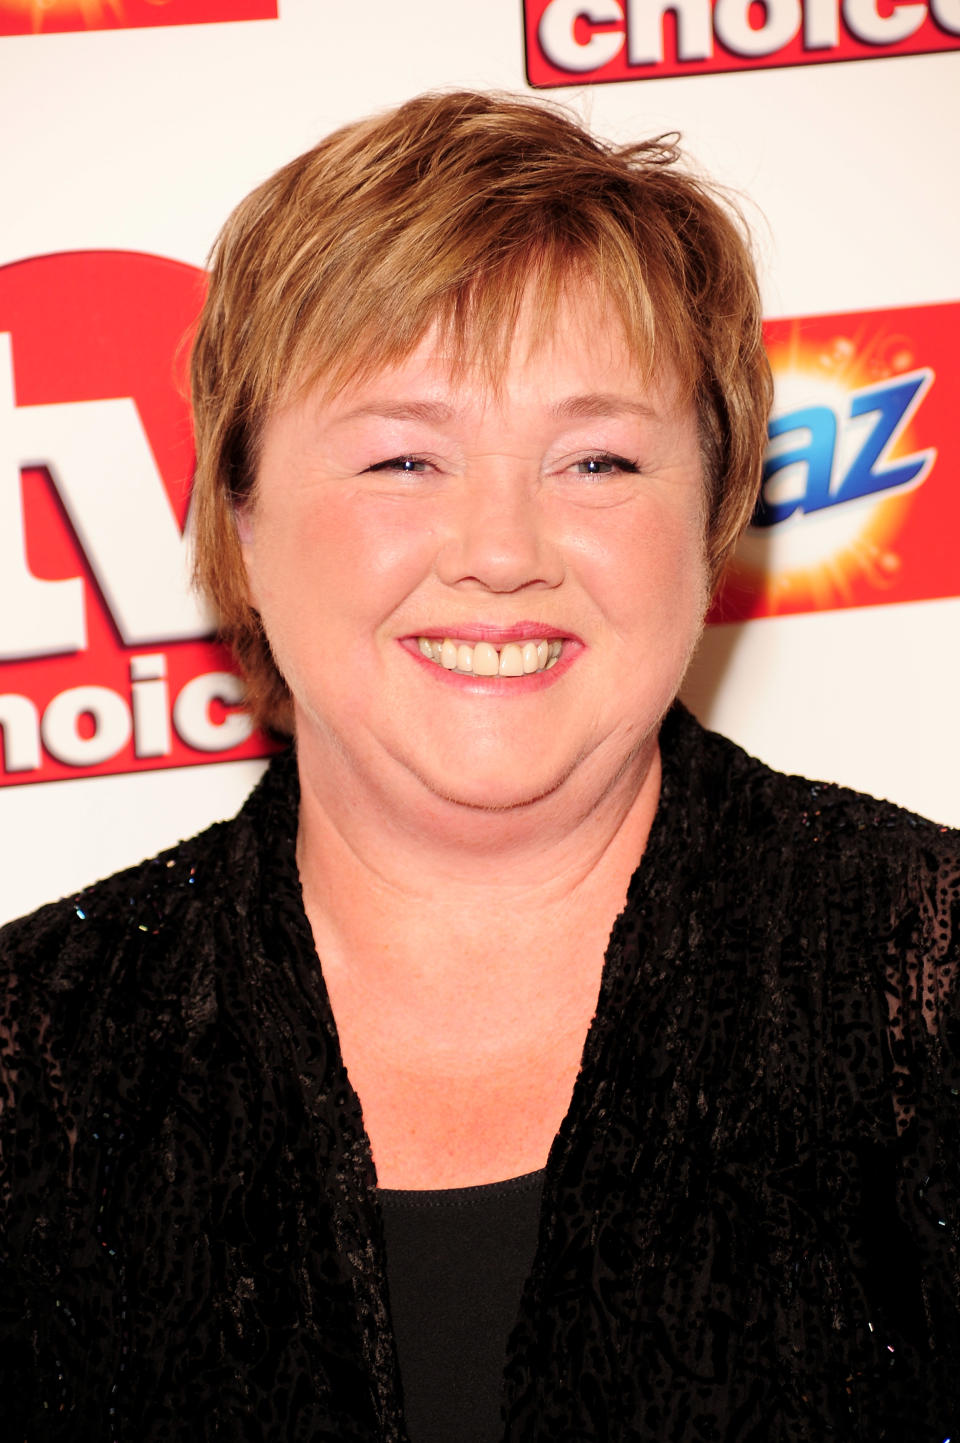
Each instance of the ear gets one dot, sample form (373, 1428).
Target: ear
(243, 522)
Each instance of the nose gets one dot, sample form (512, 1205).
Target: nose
(499, 538)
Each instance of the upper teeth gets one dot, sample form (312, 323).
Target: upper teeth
(487, 659)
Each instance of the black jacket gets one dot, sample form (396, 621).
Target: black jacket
(750, 1215)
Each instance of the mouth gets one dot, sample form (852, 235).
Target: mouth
(492, 658)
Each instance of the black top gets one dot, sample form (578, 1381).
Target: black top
(749, 1225)
(457, 1259)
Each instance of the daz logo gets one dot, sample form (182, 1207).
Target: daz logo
(816, 437)
(858, 503)
(571, 42)
(105, 659)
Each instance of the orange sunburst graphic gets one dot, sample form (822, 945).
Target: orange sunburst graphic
(37, 15)
(22, 17)
(856, 542)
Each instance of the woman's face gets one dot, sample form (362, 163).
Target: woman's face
(477, 596)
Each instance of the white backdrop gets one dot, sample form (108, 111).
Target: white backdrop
(143, 139)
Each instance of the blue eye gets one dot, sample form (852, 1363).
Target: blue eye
(605, 464)
(409, 465)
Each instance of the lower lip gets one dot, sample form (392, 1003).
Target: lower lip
(496, 685)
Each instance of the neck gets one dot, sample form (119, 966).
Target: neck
(393, 876)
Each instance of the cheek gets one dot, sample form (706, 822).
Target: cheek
(391, 538)
(371, 554)
(650, 568)
(353, 556)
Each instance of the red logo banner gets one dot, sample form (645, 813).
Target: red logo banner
(579, 42)
(31, 17)
(860, 503)
(106, 662)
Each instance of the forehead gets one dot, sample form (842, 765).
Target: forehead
(572, 357)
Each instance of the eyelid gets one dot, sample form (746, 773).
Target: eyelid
(608, 458)
(403, 463)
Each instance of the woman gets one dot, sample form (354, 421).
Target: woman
(523, 1062)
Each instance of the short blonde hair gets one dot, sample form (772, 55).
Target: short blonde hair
(445, 211)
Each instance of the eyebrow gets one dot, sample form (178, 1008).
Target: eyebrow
(600, 403)
(434, 413)
(589, 405)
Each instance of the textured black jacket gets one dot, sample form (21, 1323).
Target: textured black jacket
(750, 1215)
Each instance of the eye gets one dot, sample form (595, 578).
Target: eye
(605, 464)
(408, 465)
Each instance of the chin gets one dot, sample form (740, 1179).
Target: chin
(495, 792)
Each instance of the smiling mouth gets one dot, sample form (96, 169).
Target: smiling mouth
(485, 658)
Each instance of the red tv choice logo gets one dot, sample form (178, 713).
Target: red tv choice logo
(575, 42)
(859, 504)
(106, 662)
(26, 17)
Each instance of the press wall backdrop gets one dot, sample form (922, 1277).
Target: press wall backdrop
(132, 127)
